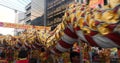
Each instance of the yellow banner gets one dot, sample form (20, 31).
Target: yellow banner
(20, 26)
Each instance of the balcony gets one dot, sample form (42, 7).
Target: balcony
(28, 6)
(55, 4)
(57, 11)
(28, 22)
(27, 19)
(56, 14)
(55, 21)
(28, 12)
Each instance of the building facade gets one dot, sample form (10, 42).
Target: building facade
(20, 18)
(32, 16)
(37, 8)
(28, 14)
(56, 9)
(34, 11)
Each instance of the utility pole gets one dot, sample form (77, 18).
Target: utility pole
(15, 29)
(80, 44)
(45, 14)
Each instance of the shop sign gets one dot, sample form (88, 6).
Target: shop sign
(95, 3)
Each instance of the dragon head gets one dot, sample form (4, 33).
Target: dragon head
(111, 15)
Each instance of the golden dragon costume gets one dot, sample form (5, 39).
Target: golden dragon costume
(97, 27)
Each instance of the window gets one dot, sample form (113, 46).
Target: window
(28, 8)
(28, 14)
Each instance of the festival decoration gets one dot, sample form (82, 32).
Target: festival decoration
(79, 18)
(97, 27)
(21, 26)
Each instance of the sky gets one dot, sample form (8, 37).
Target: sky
(8, 14)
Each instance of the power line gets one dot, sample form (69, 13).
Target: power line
(11, 8)
(30, 0)
(20, 10)
(37, 12)
(8, 3)
(26, 1)
(37, 4)
(11, 3)
(21, 2)
(37, 9)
